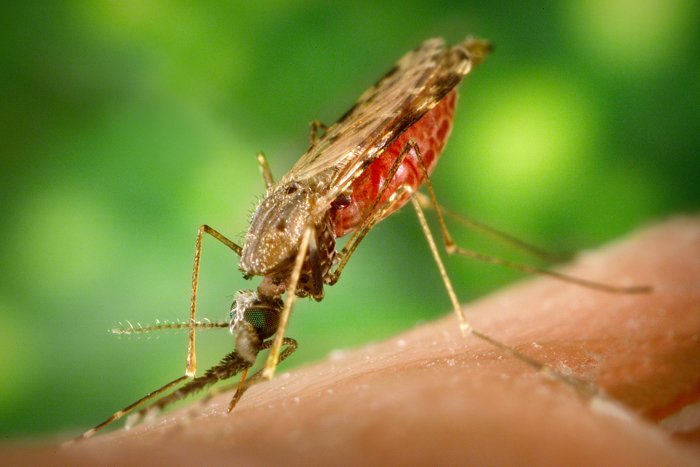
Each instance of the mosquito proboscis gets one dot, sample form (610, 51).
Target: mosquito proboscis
(360, 170)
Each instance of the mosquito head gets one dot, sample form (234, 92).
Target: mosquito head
(255, 318)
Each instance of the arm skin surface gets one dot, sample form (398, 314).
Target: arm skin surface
(432, 397)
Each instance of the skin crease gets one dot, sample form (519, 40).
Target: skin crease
(432, 397)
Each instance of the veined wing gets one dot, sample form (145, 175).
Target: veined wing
(414, 86)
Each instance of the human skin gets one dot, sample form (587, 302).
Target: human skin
(431, 396)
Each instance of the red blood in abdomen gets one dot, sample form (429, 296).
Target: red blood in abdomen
(430, 133)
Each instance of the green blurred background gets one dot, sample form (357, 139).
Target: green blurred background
(126, 125)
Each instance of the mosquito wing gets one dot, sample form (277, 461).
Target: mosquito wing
(414, 86)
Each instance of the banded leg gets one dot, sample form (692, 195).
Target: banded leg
(273, 358)
(493, 233)
(371, 217)
(376, 214)
(452, 248)
(192, 326)
(581, 387)
(191, 362)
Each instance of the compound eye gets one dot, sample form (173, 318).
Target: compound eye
(265, 320)
(252, 313)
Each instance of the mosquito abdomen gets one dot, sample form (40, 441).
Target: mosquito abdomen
(430, 133)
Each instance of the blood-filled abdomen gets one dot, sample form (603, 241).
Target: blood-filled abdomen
(430, 133)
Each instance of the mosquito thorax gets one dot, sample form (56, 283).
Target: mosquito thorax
(254, 318)
(276, 229)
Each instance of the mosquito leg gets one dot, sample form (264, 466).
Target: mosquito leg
(377, 215)
(265, 169)
(192, 326)
(191, 362)
(463, 324)
(315, 126)
(273, 358)
(316, 272)
(495, 234)
(242, 386)
(466, 328)
(581, 387)
(452, 248)
(257, 377)
(371, 218)
(228, 367)
(208, 230)
(129, 408)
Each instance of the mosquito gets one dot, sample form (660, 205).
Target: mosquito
(360, 170)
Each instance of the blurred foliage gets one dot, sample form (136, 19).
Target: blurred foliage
(126, 125)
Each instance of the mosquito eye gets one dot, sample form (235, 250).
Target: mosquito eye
(264, 320)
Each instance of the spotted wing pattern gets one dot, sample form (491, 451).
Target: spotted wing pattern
(414, 86)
